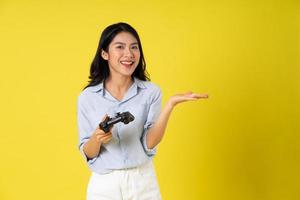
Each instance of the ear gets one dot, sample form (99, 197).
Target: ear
(104, 55)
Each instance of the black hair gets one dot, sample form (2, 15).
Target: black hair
(99, 70)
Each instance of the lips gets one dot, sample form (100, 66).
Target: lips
(127, 63)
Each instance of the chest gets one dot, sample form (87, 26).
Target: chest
(137, 107)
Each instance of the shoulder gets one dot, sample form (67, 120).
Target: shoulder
(87, 93)
(151, 91)
(149, 86)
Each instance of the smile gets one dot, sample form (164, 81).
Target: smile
(127, 63)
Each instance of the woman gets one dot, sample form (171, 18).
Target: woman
(121, 160)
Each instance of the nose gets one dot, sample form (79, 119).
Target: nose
(128, 53)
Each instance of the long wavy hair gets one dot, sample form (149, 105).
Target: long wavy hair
(99, 70)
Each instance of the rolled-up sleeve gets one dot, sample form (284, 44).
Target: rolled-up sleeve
(85, 128)
(153, 114)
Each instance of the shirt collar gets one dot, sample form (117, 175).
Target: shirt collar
(139, 83)
(99, 87)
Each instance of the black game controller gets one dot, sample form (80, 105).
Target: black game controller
(124, 117)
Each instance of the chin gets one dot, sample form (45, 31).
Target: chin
(127, 74)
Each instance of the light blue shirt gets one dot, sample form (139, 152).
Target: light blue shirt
(127, 148)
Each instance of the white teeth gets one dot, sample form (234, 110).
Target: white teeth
(126, 63)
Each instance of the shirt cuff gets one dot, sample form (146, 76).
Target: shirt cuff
(88, 160)
(149, 152)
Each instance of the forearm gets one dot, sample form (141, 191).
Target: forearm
(156, 132)
(92, 147)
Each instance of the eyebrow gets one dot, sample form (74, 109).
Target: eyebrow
(124, 43)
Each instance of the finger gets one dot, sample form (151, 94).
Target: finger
(101, 137)
(104, 117)
(99, 131)
(106, 139)
(189, 98)
(106, 135)
(194, 95)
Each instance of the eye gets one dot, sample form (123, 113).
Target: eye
(120, 47)
(134, 47)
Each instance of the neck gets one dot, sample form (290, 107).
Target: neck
(118, 83)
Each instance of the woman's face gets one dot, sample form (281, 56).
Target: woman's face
(123, 54)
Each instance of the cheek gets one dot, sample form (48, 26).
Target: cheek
(114, 57)
(137, 55)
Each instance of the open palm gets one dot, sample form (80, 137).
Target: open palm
(189, 96)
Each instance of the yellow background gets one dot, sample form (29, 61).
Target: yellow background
(241, 144)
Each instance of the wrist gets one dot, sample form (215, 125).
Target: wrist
(169, 105)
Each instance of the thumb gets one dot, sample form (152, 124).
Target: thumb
(104, 117)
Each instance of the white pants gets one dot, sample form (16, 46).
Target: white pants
(137, 183)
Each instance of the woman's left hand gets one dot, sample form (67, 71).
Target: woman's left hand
(189, 96)
(156, 132)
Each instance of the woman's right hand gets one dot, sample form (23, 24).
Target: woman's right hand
(92, 147)
(100, 135)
